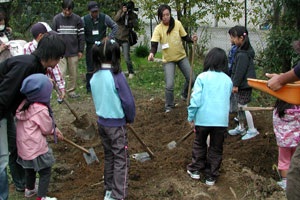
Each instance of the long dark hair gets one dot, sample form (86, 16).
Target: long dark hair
(106, 51)
(216, 60)
(281, 106)
(160, 11)
(241, 31)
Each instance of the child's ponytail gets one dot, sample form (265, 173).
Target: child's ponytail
(241, 31)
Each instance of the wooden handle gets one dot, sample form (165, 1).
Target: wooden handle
(191, 75)
(140, 140)
(68, 105)
(258, 108)
(77, 146)
(184, 137)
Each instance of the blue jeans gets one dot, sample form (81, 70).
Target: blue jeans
(169, 68)
(126, 53)
(4, 154)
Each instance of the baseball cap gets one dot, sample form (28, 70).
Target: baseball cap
(41, 27)
(93, 6)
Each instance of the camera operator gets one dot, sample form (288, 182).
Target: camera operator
(126, 20)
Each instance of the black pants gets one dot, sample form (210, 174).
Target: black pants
(45, 175)
(208, 160)
(293, 177)
(89, 65)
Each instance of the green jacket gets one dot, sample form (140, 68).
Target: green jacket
(123, 31)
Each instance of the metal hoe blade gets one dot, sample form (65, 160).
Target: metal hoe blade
(91, 157)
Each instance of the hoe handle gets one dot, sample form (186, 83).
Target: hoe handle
(141, 141)
(185, 137)
(257, 108)
(77, 146)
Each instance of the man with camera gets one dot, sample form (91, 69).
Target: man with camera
(126, 20)
(95, 27)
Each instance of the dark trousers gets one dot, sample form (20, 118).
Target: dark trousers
(116, 160)
(89, 65)
(16, 170)
(126, 52)
(208, 159)
(45, 175)
(293, 177)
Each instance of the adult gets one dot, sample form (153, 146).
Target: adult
(170, 34)
(12, 72)
(95, 27)
(126, 20)
(5, 36)
(38, 30)
(70, 27)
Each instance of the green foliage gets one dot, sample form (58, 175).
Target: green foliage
(141, 51)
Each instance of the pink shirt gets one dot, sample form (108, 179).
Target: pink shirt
(32, 127)
(54, 73)
(287, 128)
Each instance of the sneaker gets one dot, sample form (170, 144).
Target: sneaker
(48, 198)
(59, 100)
(131, 76)
(74, 95)
(282, 184)
(168, 110)
(237, 131)
(20, 189)
(30, 193)
(250, 134)
(194, 174)
(210, 181)
(107, 195)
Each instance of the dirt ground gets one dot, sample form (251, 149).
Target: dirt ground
(246, 171)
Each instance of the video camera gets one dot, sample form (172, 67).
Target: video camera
(130, 6)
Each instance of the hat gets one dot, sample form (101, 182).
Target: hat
(41, 27)
(37, 88)
(93, 6)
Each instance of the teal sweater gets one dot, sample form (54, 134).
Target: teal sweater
(210, 100)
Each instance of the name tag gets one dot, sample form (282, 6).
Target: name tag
(95, 32)
(165, 46)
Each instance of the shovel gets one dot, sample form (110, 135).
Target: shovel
(83, 126)
(175, 144)
(89, 155)
(147, 149)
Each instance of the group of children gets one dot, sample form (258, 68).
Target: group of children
(114, 103)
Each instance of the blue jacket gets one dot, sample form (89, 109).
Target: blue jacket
(210, 100)
(112, 97)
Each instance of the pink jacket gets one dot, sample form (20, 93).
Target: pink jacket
(287, 129)
(32, 127)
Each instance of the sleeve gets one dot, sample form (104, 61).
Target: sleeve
(195, 101)
(133, 21)
(56, 75)
(154, 46)
(10, 85)
(118, 16)
(156, 35)
(83, 23)
(112, 25)
(182, 32)
(126, 97)
(44, 121)
(242, 62)
(54, 24)
(187, 39)
(81, 39)
(297, 70)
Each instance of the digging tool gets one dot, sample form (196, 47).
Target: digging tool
(191, 75)
(89, 155)
(288, 93)
(147, 149)
(257, 108)
(83, 126)
(174, 144)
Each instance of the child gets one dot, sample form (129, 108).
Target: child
(38, 31)
(232, 51)
(243, 68)
(115, 107)
(209, 112)
(35, 122)
(286, 122)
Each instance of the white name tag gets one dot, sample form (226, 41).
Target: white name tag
(95, 32)
(165, 46)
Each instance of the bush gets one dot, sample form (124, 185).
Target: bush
(141, 51)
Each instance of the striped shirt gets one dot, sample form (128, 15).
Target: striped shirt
(53, 73)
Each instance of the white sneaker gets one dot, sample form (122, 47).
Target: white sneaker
(30, 193)
(49, 198)
(107, 195)
(194, 175)
(250, 134)
(282, 184)
(131, 76)
(237, 131)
